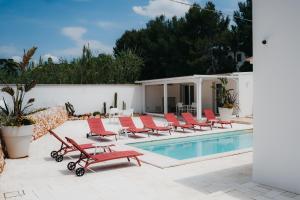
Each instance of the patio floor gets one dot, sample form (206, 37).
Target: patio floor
(38, 177)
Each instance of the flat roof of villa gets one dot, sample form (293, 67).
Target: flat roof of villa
(196, 76)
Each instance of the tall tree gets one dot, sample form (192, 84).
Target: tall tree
(243, 21)
(193, 44)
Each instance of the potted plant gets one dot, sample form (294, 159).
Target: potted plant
(16, 127)
(96, 114)
(227, 99)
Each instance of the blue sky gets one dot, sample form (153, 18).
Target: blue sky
(59, 28)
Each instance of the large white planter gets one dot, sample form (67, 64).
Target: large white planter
(225, 113)
(17, 140)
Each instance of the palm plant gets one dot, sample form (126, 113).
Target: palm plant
(15, 114)
(228, 98)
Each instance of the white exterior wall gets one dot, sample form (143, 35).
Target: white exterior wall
(208, 98)
(276, 93)
(245, 90)
(207, 94)
(87, 98)
(174, 91)
(153, 98)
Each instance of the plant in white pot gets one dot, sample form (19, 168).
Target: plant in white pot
(16, 127)
(227, 99)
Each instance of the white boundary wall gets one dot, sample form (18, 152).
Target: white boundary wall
(87, 98)
(276, 93)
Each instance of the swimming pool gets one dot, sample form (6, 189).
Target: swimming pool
(199, 146)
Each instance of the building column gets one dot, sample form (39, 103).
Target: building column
(199, 98)
(165, 98)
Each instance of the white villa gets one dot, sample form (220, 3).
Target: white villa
(195, 93)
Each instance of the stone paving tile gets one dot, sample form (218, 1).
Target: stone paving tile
(288, 194)
(41, 178)
(262, 198)
(297, 197)
(272, 193)
(280, 197)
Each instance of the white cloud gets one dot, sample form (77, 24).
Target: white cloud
(17, 59)
(8, 50)
(76, 34)
(106, 24)
(162, 7)
(54, 58)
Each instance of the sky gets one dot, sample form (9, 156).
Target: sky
(60, 28)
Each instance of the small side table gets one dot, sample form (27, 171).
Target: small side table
(124, 131)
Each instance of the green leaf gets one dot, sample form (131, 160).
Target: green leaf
(29, 86)
(6, 109)
(8, 90)
(31, 100)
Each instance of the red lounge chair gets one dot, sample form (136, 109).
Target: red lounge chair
(189, 119)
(149, 124)
(172, 119)
(127, 123)
(89, 159)
(97, 129)
(66, 148)
(210, 115)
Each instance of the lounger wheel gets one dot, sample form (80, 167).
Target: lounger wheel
(71, 166)
(59, 158)
(80, 171)
(53, 154)
(87, 135)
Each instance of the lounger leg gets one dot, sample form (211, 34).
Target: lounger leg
(116, 137)
(231, 125)
(138, 160)
(128, 159)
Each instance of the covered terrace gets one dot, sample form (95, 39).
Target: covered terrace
(194, 93)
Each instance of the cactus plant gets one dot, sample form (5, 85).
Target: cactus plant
(123, 105)
(116, 100)
(96, 113)
(104, 108)
(70, 109)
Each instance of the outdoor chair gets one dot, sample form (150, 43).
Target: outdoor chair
(210, 116)
(128, 126)
(113, 113)
(127, 113)
(150, 124)
(173, 121)
(65, 148)
(189, 119)
(179, 108)
(97, 129)
(86, 159)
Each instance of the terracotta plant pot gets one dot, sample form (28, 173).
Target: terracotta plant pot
(17, 140)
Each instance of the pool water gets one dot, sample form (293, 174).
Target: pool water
(199, 146)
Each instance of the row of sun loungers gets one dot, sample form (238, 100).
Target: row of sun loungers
(97, 129)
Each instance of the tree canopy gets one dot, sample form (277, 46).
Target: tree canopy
(200, 42)
(88, 69)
